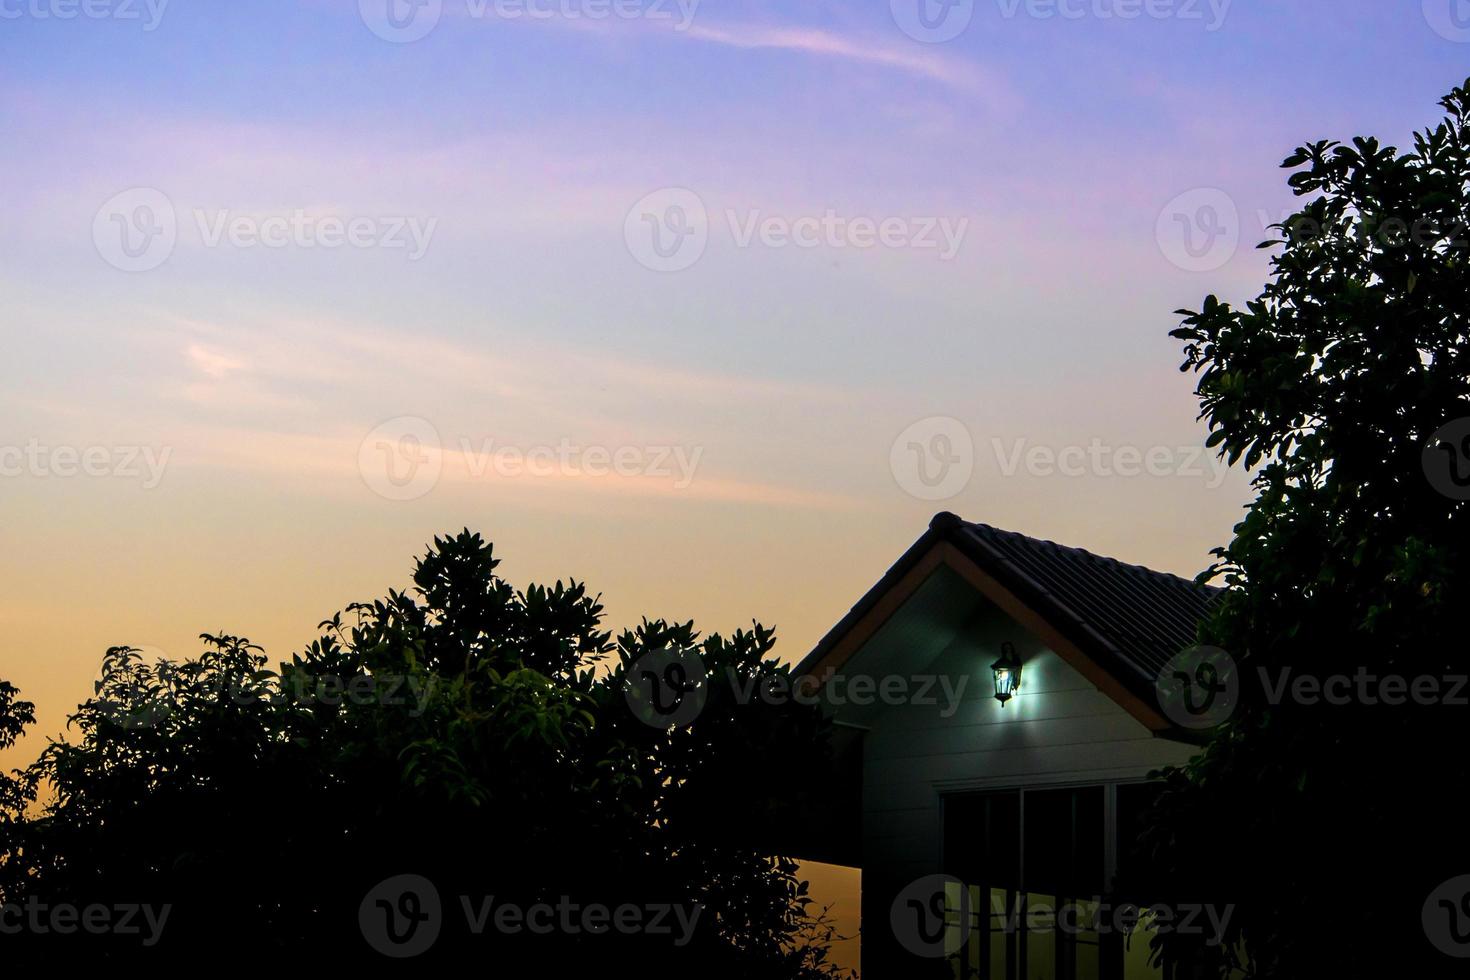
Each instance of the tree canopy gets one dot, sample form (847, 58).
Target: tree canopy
(1345, 388)
(465, 734)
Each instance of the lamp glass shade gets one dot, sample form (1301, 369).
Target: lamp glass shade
(1007, 672)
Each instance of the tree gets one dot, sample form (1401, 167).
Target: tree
(459, 733)
(1329, 825)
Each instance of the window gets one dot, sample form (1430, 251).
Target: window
(1037, 864)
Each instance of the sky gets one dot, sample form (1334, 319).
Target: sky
(709, 304)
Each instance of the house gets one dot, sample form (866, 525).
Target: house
(1021, 803)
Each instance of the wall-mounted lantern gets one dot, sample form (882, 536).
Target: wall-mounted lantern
(1007, 673)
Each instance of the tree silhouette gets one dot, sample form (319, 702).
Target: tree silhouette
(461, 733)
(1330, 824)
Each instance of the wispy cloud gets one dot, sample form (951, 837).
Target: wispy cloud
(815, 41)
(860, 47)
(212, 363)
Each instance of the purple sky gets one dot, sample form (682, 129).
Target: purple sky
(284, 293)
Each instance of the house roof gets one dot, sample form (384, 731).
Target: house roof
(1126, 619)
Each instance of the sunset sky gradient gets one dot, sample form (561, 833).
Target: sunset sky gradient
(529, 322)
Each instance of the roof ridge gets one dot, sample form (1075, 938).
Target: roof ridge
(1193, 583)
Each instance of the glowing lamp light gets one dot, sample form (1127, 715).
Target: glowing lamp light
(1007, 672)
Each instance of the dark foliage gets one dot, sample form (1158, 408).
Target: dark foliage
(458, 732)
(1328, 825)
